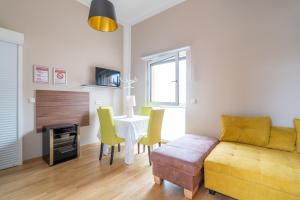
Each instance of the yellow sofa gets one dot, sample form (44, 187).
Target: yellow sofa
(243, 167)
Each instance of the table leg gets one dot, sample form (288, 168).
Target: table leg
(129, 151)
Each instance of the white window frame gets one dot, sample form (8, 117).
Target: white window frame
(149, 72)
(156, 59)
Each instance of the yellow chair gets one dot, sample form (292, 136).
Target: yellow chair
(145, 110)
(108, 131)
(154, 130)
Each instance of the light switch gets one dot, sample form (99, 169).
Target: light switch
(31, 100)
(98, 102)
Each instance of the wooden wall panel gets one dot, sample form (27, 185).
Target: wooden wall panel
(59, 107)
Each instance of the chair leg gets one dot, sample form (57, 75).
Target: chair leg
(149, 155)
(101, 151)
(144, 148)
(159, 144)
(119, 147)
(138, 148)
(112, 154)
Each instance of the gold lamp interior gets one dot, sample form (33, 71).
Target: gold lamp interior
(104, 24)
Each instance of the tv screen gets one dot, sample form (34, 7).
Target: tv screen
(107, 77)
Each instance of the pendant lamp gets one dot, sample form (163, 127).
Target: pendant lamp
(102, 16)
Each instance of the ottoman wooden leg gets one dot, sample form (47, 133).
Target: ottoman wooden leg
(190, 194)
(157, 180)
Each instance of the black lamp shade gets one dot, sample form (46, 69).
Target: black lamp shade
(102, 16)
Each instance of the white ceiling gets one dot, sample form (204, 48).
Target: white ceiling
(134, 11)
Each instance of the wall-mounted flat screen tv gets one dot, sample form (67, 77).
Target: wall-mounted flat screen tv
(107, 77)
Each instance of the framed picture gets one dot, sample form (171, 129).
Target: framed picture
(40, 74)
(59, 76)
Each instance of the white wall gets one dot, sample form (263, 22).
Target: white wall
(245, 58)
(57, 35)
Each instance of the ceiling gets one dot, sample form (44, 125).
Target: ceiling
(134, 11)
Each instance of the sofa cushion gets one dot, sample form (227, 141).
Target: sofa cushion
(282, 138)
(297, 125)
(248, 130)
(278, 170)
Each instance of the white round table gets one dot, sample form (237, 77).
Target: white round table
(132, 130)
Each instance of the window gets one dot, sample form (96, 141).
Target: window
(167, 79)
(166, 88)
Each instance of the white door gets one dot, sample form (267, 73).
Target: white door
(9, 152)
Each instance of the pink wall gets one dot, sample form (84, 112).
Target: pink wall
(245, 58)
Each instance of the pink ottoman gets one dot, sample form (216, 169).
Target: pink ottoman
(181, 162)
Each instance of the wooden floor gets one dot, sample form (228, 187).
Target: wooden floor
(87, 178)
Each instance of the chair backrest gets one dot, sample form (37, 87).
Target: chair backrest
(155, 124)
(145, 110)
(106, 124)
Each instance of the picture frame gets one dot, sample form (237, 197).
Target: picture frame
(60, 76)
(41, 74)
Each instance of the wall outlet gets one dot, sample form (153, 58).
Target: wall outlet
(194, 101)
